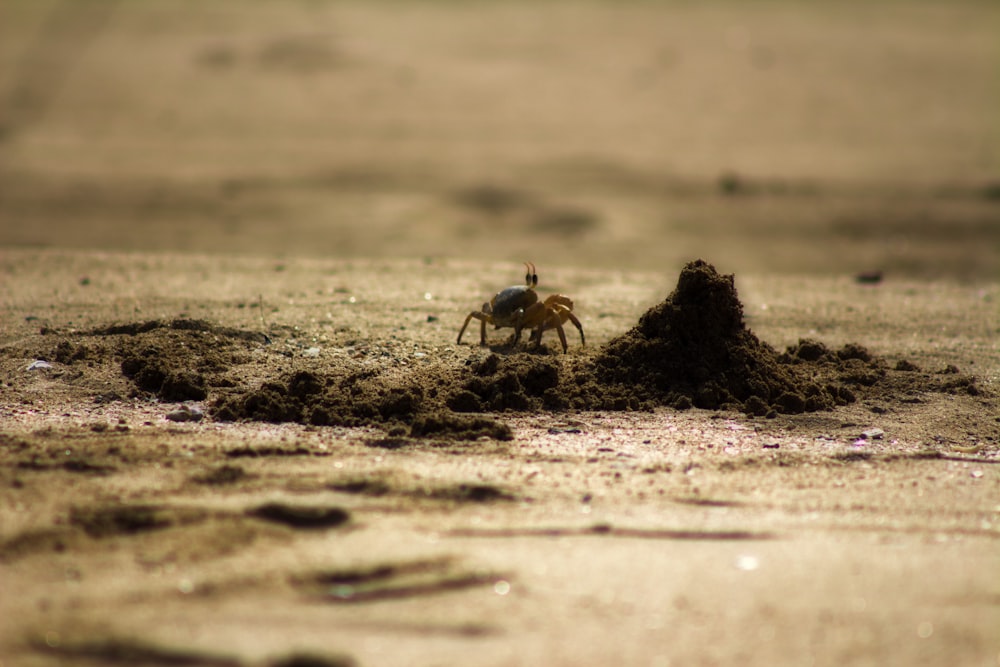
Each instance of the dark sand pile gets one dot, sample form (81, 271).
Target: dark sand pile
(694, 349)
(355, 399)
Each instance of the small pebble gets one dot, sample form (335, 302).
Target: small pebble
(872, 434)
(186, 413)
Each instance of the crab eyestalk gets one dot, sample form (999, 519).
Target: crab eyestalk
(530, 278)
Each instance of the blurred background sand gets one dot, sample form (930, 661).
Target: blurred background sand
(819, 138)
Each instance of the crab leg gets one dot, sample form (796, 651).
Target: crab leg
(535, 314)
(562, 335)
(516, 338)
(555, 321)
(572, 318)
(551, 321)
(462, 330)
(482, 328)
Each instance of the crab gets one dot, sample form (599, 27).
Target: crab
(518, 307)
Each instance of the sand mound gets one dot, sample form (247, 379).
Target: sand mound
(694, 349)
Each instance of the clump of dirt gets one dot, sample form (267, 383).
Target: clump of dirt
(178, 360)
(518, 382)
(174, 360)
(694, 350)
(855, 367)
(443, 424)
(356, 399)
(149, 367)
(325, 399)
